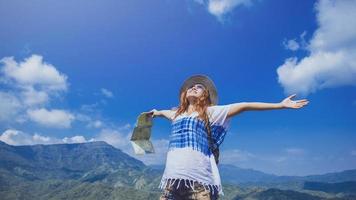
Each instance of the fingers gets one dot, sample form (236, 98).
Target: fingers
(291, 96)
(303, 100)
(153, 113)
(150, 113)
(299, 105)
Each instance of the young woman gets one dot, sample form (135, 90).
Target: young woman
(199, 126)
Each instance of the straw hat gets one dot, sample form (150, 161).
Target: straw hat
(204, 80)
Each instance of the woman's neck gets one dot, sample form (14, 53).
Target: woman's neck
(191, 108)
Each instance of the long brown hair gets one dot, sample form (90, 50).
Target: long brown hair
(201, 106)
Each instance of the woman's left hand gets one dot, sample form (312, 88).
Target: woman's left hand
(288, 103)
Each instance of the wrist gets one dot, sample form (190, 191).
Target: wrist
(281, 105)
(158, 113)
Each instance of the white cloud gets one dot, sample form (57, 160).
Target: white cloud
(220, 8)
(76, 139)
(33, 97)
(107, 93)
(291, 45)
(9, 106)
(332, 52)
(39, 139)
(33, 71)
(110, 136)
(115, 138)
(296, 43)
(32, 83)
(16, 137)
(90, 122)
(51, 118)
(82, 117)
(90, 108)
(95, 124)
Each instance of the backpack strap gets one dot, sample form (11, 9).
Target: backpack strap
(215, 150)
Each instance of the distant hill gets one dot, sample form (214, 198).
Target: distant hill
(237, 175)
(97, 170)
(231, 174)
(341, 187)
(84, 162)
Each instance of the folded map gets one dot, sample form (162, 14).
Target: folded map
(140, 139)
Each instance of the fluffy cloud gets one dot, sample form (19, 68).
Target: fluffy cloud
(291, 45)
(9, 106)
(95, 124)
(32, 97)
(51, 118)
(220, 8)
(32, 83)
(76, 139)
(34, 72)
(114, 137)
(33, 79)
(296, 43)
(16, 137)
(107, 93)
(332, 52)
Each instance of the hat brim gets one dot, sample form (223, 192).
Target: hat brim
(206, 81)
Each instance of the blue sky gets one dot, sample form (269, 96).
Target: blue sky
(81, 71)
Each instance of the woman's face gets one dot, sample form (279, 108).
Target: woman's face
(195, 90)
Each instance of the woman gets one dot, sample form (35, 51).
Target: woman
(199, 126)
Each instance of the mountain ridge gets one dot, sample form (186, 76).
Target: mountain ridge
(97, 170)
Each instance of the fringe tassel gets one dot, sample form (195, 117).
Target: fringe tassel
(209, 188)
(171, 181)
(165, 184)
(191, 182)
(178, 183)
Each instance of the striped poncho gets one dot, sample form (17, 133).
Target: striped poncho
(189, 158)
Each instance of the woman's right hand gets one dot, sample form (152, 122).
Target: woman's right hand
(153, 113)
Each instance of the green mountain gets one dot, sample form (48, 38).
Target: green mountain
(234, 175)
(97, 170)
(23, 167)
(341, 187)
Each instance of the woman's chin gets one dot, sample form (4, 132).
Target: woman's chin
(192, 96)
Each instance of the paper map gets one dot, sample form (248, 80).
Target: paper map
(140, 138)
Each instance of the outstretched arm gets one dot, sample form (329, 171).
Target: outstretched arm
(237, 108)
(161, 113)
